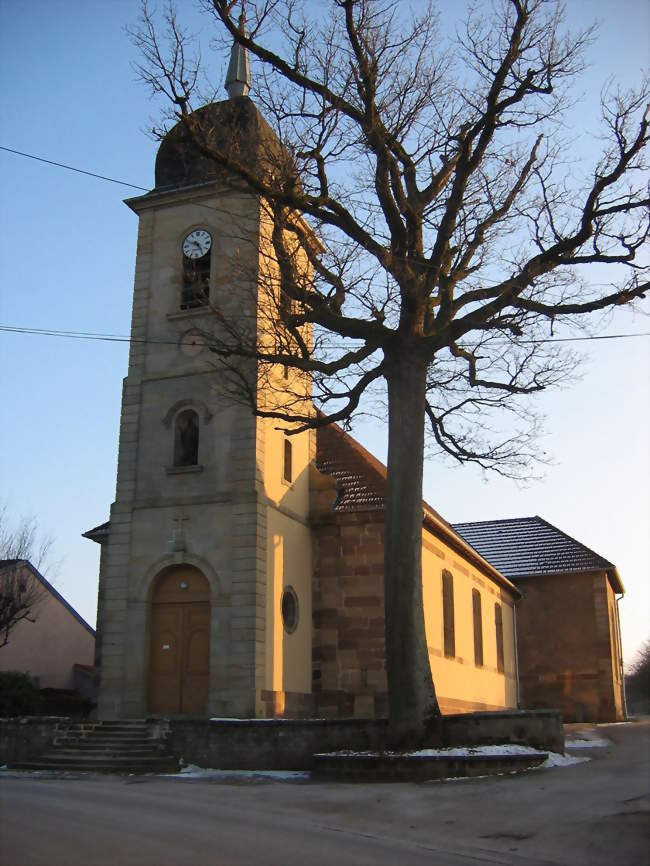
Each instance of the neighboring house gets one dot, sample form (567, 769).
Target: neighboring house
(568, 629)
(52, 641)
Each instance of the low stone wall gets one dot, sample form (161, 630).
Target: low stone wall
(289, 744)
(418, 768)
(25, 737)
(269, 744)
(539, 728)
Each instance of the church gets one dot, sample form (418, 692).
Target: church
(241, 570)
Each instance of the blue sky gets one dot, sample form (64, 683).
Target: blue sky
(67, 252)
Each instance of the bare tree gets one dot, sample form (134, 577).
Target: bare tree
(20, 590)
(453, 235)
(637, 681)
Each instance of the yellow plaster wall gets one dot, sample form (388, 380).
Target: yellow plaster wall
(289, 563)
(49, 647)
(460, 683)
(294, 496)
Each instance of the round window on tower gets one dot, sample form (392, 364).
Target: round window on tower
(289, 609)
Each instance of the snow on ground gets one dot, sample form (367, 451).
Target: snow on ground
(464, 751)
(587, 743)
(275, 721)
(554, 758)
(191, 771)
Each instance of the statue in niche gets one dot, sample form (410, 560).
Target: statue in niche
(186, 444)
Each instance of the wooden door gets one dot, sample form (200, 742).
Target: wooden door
(195, 658)
(179, 661)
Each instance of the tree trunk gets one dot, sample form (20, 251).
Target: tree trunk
(411, 694)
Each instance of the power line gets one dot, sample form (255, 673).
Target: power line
(200, 204)
(121, 338)
(83, 335)
(73, 168)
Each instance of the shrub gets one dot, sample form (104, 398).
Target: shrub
(19, 695)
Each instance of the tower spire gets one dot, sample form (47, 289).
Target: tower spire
(238, 77)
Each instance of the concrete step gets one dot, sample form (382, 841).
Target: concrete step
(91, 752)
(72, 743)
(93, 760)
(129, 746)
(166, 765)
(107, 732)
(124, 742)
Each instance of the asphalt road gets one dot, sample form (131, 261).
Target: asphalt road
(591, 814)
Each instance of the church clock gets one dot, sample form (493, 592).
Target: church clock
(196, 269)
(197, 244)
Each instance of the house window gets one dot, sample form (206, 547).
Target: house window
(287, 473)
(289, 609)
(448, 614)
(186, 438)
(287, 307)
(498, 624)
(478, 627)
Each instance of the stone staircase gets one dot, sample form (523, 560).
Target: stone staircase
(133, 746)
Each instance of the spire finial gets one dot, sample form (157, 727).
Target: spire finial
(238, 78)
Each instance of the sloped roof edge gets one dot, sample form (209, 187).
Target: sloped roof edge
(51, 589)
(431, 519)
(98, 533)
(591, 561)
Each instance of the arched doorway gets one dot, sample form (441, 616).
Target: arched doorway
(179, 656)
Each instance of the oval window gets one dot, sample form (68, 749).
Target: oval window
(290, 609)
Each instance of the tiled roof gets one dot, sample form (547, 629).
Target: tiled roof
(361, 483)
(528, 546)
(360, 477)
(98, 533)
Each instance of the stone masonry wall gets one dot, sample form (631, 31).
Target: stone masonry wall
(349, 649)
(269, 744)
(113, 579)
(565, 650)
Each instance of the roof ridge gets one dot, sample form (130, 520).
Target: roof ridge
(55, 592)
(575, 541)
(497, 520)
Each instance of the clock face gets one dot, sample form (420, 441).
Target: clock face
(192, 344)
(197, 244)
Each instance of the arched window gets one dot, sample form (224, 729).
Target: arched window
(448, 623)
(477, 616)
(498, 624)
(287, 461)
(186, 438)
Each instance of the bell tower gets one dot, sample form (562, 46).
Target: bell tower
(205, 575)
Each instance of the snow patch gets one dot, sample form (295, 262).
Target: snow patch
(468, 751)
(232, 719)
(457, 752)
(554, 759)
(191, 771)
(268, 721)
(589, 743)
